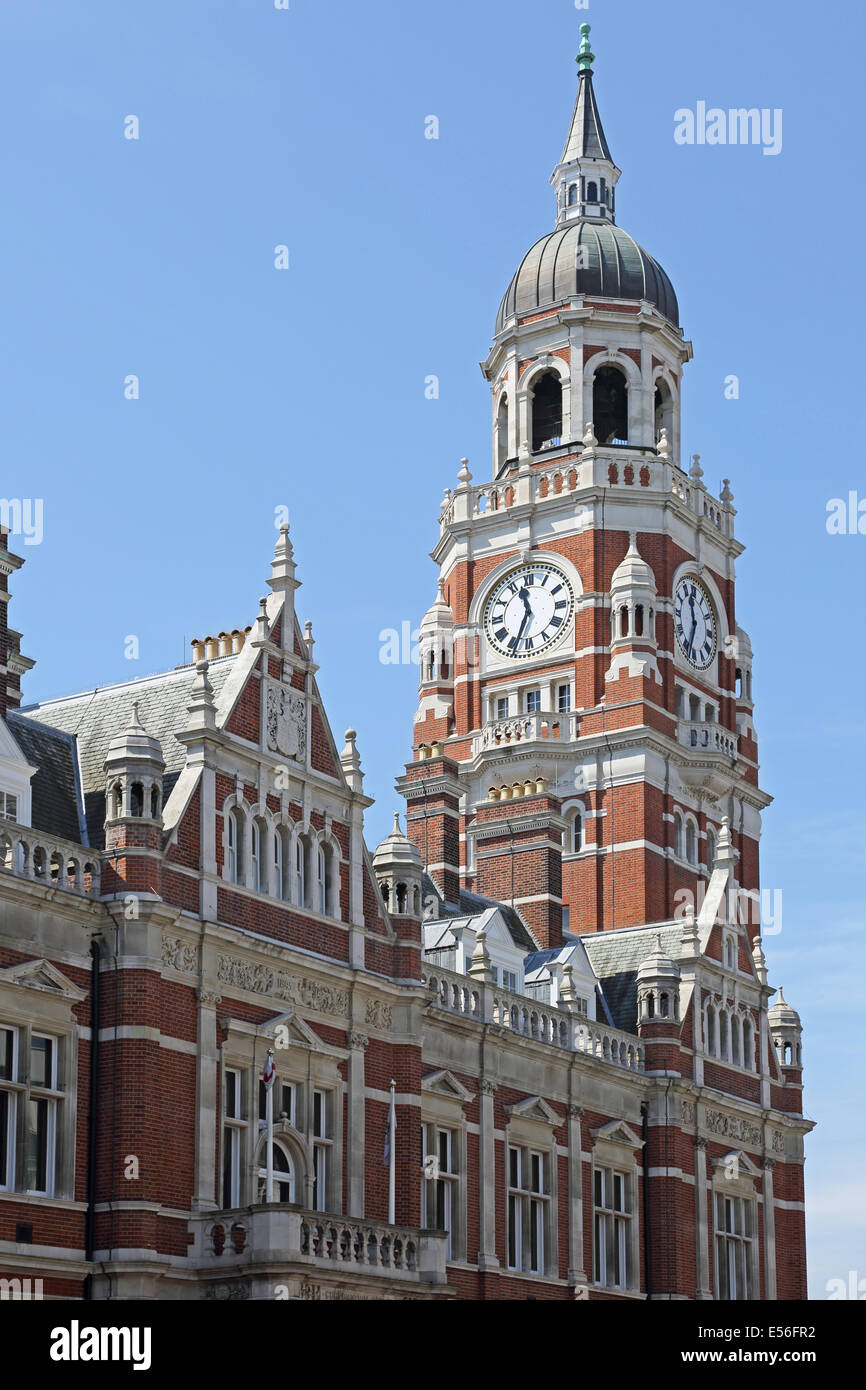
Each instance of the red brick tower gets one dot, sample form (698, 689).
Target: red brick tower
(585, 714)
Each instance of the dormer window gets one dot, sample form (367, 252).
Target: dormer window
(8, 806)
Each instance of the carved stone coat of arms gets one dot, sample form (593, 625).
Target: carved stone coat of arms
(286, 722)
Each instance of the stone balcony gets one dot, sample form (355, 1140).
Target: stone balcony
(279, 1250)
(44, 859)
(580, 469)
(707, 737)
(525, 729)
(523, 1017)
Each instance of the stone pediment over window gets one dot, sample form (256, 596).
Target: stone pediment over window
(42, 975)
(534, 1108)
(617, 1132)
(291, 1030)
(442, 1083)
(735, 1163)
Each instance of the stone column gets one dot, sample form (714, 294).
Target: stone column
(576, 1274)
(487, 1257)
(205, 1197)
(702, 1229)
(355, 1138)
(768, 1165)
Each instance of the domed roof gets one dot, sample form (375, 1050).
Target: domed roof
(611, 266)
(397, 849)
(782, 1015)
(658, 964)
(439, 615)
(134, 744)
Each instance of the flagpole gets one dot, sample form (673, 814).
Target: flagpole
(392, 1126)
(269, 1120)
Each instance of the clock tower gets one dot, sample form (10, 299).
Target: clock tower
(585, 729)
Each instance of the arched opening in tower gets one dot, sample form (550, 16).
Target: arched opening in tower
(610, 406)
(664, 410)
(547, 412)
(502, 433)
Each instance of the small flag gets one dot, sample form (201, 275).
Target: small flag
(390, 1130)
(270, 1071)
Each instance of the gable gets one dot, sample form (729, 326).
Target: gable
(40, 974)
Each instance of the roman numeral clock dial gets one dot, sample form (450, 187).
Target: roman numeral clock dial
(695, 622)
(529, 611)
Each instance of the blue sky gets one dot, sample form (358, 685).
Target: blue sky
(305, 387)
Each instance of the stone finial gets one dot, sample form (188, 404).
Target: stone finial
(350, 761)
(589, 439)
(691, 940)
(585, 56)
(283, 564)
(696, 472)
(759, 960)
(726, 495)
(202, 707)
(262, 624)
(480, 968)
(567, 991)
(663, 448)
(309, 639)
(726, 855)
(464, 477)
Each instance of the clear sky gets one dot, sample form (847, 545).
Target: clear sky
(305, 387)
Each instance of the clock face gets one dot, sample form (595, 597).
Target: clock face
(694, 622)
(528, 611)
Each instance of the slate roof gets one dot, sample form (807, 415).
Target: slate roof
(473, 905)
(586, 136)
(615, 957)
(57, 804)
(95, 716)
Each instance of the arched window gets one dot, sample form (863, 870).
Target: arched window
(610, 406)
(502, 432)
(401, 897)
(592, 191)
(154, 803)
(691, 842)
(284, 1175)
(638, 620)
(736, 1041)
(711, 850)
(577, 833)
(300, 873)
(680, 702)
(664, 1006)
(664, 410)
(235, 846)
(256, 855)
(748, 1045)
(546, 411)
(602, 191)
(623, 621)
(279, 860)
(730, 953)
(572, 195)
(711, 1031)
(723, 1035)
(678, 835)
(322, 877)
(136, 799)
(116, 800)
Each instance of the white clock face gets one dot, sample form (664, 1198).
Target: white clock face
(694, 622)
(528, 611)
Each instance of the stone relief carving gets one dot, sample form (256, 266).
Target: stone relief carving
(688, 1112)
(179, 955)
(259, 978)
(778, 1141)
(227, 1291)
(717, 1122)
(286, 722)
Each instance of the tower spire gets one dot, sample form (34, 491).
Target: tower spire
(585, 177)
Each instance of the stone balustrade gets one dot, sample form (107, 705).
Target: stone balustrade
(294, 1241)
(529, 1018)
(45, 859)
(525, 728)
(712, 737)
(575, 471)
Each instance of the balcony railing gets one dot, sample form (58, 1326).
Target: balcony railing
(290, 1240)
(579, 469)
(458, 994)
(709, 737)
(526, 728)
(31, 854)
